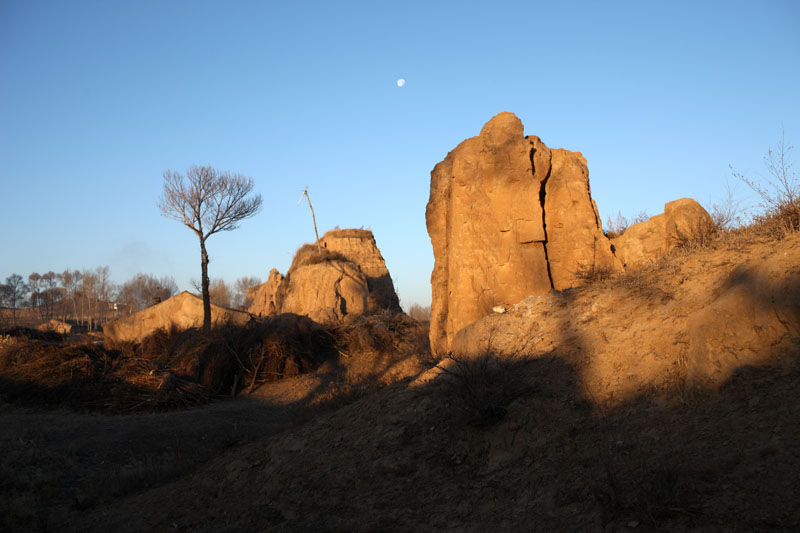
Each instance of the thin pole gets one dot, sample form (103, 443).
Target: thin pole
(313, 218)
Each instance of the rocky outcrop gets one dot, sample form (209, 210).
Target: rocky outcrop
(325, 292)
(682, 221)
(508, 217)
(345, 275)
(261, 298)
(182, 311)
(359, 247)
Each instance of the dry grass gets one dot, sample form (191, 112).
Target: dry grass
(359, 233)
(778, 221)
(311, 254)
(382, 333)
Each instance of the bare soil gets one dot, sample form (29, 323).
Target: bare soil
(373, 440)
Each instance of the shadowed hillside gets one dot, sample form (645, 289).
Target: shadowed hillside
(595, 423)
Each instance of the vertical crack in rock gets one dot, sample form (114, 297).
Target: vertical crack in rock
(542, 194)
(341, 303)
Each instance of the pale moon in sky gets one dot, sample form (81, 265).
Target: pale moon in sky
(401, 82)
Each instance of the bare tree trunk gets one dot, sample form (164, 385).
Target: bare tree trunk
(204, 282)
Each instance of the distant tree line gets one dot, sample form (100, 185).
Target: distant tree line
(90, 298)
(417, 312)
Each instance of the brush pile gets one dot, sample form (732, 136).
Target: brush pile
(169, 369)
(176, 369)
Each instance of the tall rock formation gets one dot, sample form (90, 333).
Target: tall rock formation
(508, 218)
(261, 298)
(345, 275)
(359, 247)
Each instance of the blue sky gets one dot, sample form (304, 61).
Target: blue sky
(98, 99)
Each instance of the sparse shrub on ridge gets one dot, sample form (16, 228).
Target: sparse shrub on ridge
(779, 192)
(485, 385)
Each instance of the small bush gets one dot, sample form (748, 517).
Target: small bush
(779, 192)
(485, 385)
(595, 273)
(616, 226)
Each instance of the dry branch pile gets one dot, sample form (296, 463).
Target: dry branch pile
(176, 369)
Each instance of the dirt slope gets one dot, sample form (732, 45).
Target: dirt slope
(530, 442)
(688, 321)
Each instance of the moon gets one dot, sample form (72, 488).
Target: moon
(401, 82)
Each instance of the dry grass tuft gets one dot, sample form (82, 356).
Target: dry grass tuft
(311, 254)
(485, 385)
(359, 233)
(778, 221)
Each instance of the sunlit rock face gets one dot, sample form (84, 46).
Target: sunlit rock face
(182, 311)
(345, 275)
(682, 221)
(508, 217)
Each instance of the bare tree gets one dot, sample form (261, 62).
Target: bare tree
(419, 313)
(728, 212)
(35, 286)
(220, 293)
(208, 201)
(105, 291)
(240, 291)
(13, 293)
(51, 293)
(70, 281)
(142, 290)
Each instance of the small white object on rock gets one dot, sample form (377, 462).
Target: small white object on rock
(499, 309)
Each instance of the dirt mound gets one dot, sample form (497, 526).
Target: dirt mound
(690, 320)
(56, 326)
(182, 311)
